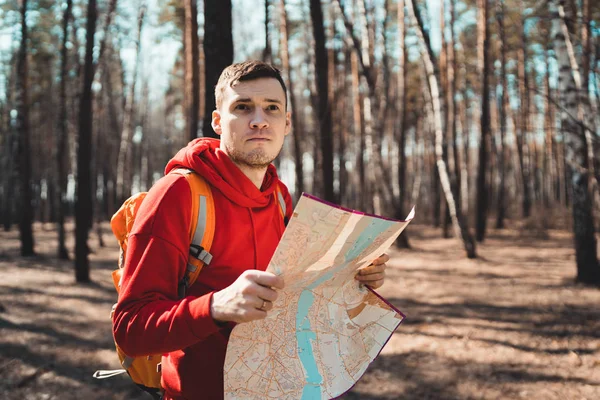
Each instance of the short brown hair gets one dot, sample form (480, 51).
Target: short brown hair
(246, 71)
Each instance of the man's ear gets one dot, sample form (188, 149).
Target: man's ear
(288, 123)
(216, 122)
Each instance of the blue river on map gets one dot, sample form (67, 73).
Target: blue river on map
(304, 333)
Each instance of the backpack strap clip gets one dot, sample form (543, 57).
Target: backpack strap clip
(198, 252)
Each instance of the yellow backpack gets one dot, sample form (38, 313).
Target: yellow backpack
(145, 371)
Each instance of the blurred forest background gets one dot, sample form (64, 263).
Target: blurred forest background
(483, 113)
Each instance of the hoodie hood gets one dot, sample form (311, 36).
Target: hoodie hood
(204, 156)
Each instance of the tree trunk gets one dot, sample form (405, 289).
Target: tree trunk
(115, 132)
(344, 132)
(62, 152)
(112, 8)
(6, 137)
(124, 159)
(501, 206)
(522, 131)
(358, 119)
(451, 102)
(418, 160)
(466, 181)
(324, 113)
(576, 149)
(23, 130)
(267, 53)
(434, 181)
(145, 143)
(451, 134)
(586, 40)
(458, 223)
(11, 150)
(445, 211)
(83, 204)
(296, 120)
(218, 53)
(192, 69)
(484, 145)
(402, 241)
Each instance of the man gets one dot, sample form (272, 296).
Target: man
(252, 121)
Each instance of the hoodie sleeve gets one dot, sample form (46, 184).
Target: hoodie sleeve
(149, 317)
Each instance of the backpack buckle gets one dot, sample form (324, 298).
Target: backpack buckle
(198, 252)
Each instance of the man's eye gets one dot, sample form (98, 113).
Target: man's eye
(242, 107)
(273, 107)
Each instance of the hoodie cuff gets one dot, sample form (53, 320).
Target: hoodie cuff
(202, 323)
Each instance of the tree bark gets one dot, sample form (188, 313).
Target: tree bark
(576, 149)
(324, 113)
(218, 53)
(62, 152)
(267, 53)
(466, 181)
(124, 159)
(296, 120)
(451, 102)
(402, 241)
(112, 8)
(444, 83)
(192, 69)
(484, 145)
(7, 137)
(501, 206)
(23, 130)
(523, 129)
(460, 229)
(83, 204)
(586, 40)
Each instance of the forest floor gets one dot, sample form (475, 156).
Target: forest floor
(508, 325)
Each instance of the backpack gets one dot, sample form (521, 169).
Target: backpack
(146, 371)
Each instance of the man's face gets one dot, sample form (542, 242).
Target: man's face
(252, 122)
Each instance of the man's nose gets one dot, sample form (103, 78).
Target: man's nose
(259, 120)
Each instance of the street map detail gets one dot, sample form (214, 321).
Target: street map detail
(325, 328)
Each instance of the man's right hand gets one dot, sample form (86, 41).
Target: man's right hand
(249, 298)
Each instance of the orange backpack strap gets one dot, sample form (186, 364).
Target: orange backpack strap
(201, 230)
(281, 200)
(121, 224)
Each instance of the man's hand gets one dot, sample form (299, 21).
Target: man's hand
(373, 275)
(248, 298)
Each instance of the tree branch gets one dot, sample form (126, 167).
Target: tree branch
(366, 70)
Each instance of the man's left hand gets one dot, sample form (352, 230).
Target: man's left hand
(373, 274)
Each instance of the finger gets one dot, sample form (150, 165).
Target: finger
(267, 279)
(372, 269)
(382, 259)
(262, 292)
(371, 277)
(264, 305)
(253, 315)
(375, 285)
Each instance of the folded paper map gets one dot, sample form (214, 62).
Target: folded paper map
(325, 328)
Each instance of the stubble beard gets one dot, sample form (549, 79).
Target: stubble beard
(254, 159)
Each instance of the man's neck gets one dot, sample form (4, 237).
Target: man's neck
(256, 175)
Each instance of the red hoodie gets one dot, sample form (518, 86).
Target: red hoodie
(149, 317)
